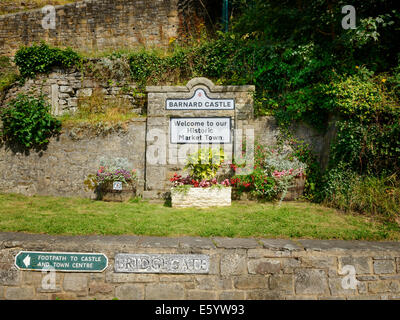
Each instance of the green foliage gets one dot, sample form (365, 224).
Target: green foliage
(275, 170)
(41, 58)
(27, 121)
(204, 164)
(348, 191)
(8, 74)
(368, 149)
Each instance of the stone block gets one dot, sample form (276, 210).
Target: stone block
(290, 264)
(384, 286)
(310, 281)
(130, 277)
(282, 283)
(384, 266)
(63, 296)
(19, 293)
(201, 295)
(232, 295)
(213, 283)
(233, 264)
(319, 262)
(202, 198)
(75, 282)
(236, 243)
(100, 288)
(10, 277)
(361, 264)
(164, 291)
(337, 287)
(251, 282)
(264, 266)
(265, 294)
(130, 292)
(65, 89)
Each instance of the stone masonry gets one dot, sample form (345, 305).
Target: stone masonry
(94, 25)
(61, 169)
(255, 269)
(173, 156)
(66, 89)
(62, 166)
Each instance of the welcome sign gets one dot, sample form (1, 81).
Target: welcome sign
(200, 130)
(200, 101)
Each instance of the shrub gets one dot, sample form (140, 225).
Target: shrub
(41, 58)
(27, 121)
(348, 191)
(273, 174)
(204, 164)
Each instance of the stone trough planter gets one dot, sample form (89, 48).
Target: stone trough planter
(201, 197)
(107, 193)
(297, 190)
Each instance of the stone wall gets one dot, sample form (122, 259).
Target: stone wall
(170, 158)
(64, 89)
(94, 25)
(61, 168)
(239, 269)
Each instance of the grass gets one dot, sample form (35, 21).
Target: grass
(74, 216)
(96, 109)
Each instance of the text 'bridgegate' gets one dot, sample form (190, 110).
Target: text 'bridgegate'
(162, 263)
(200, 101)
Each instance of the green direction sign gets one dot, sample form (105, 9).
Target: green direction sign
(61, 261)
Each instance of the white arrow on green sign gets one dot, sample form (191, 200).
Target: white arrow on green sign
(61, 261)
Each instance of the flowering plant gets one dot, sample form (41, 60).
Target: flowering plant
(202, 166)
(179, 180)
(109, 172)
(273, 174)
(104, 175)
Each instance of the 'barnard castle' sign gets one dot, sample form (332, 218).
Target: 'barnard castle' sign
(200, 101)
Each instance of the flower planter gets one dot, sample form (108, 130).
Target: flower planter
(108, 194)
(297, 190)
(201, 197)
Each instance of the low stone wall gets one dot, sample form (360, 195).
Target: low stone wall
(61, 169)
(239, 269)
(94, 25)
(62, 166)
(65, 90)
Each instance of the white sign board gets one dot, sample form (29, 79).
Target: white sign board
(200, 101)
(200, 130)
(117, 185)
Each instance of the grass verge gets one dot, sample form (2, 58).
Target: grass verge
(74, 216)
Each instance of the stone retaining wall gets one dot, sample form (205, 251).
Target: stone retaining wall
(94, 25)
(239, 269)
(61, 168)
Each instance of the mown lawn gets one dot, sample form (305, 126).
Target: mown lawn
(74, 216)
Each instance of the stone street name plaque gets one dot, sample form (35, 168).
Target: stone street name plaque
(61, 261)
(200, 130)
(200, 101)
(162, 263)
